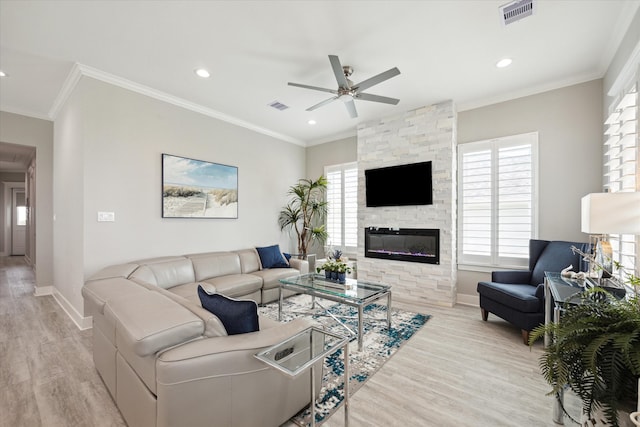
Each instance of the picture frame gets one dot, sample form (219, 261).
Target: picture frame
(198, 189)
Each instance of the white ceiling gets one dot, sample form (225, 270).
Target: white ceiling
(445, 49)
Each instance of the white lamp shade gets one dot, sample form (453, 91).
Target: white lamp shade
(611, 213)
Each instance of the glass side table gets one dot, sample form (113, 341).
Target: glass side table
(300, 352)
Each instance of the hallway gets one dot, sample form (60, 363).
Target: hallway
(47, 377)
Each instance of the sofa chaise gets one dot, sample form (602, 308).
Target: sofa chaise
(167, 361)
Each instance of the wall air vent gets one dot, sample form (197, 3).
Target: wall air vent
(517, 10)
(278, 105)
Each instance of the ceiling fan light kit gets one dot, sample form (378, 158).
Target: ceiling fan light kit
(348, 91)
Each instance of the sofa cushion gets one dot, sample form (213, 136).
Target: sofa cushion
(521, 297)
(235, 285)
(271, 276)
(237, 316)
(249, 260)
(271, 257)
(152, 323)
(215, 264)
(166, 274)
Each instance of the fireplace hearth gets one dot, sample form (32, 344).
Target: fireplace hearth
(403, 244)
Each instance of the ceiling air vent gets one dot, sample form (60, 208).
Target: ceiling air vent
(278, 105)
(516, 10)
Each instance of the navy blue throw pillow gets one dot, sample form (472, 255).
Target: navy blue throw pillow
(237, 316)
(271, 257)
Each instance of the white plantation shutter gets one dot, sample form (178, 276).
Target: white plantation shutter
(621, 166)
(334, 208)
(497, 190)
(342, 210)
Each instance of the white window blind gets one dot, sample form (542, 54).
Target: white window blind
(342, 209)
(496, 194)
(621, 166)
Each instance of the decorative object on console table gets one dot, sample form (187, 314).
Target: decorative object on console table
(305, 213)
(198, 189)
(609, 213)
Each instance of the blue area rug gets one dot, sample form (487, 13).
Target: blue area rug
(379, 345)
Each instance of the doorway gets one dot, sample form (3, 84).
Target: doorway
(18, 221)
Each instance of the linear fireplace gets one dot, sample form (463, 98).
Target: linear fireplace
(403, 244)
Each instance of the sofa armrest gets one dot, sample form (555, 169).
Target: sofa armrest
(302, 265)
(153, 323)
(223, 356)
(511, 276)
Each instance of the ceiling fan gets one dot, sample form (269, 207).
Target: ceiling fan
(348, 91)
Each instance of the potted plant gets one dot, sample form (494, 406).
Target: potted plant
(343, 270)
(305, 213)
(595, 351)
(329, 267)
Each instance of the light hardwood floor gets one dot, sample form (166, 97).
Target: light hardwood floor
(457, 371)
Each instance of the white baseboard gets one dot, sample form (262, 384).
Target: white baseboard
(43, 290)
(472, 300)
(81, 322)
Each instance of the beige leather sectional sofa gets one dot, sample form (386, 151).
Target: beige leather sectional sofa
(166, 361)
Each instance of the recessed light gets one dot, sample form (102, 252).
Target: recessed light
(505, 62)
(201, 72)
(3, 74)
(312, 122)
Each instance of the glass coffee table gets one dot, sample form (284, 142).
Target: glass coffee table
(301, 352)
(354, 293)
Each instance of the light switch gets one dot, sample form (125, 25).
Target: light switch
(106, 216)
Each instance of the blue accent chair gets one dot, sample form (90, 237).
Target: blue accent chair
(517, 296)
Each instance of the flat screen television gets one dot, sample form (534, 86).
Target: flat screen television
(402, 185)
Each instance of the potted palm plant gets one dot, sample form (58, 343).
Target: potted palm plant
(595, 351)
(305, 213)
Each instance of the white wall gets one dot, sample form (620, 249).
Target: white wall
(330, 153)
(17, 129)
(569, 125)
(118, 137)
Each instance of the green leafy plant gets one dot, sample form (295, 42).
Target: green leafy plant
(595, 350)
(305, 212)
(329, 265)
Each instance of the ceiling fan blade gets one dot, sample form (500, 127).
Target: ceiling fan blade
(320, 104)
(377, 98)
(338, 71)
(351, 108)
(321, 89)
(376, 79)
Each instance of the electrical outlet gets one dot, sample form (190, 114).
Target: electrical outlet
(106, 216)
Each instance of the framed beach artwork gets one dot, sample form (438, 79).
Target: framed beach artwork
(198, 189)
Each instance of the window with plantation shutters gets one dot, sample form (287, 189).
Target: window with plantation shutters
(496, 194)
(621, 166)
(342, 209)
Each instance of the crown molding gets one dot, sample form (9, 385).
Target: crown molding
(68, 86)
(620, 29)
(80, 70)
(627, 73)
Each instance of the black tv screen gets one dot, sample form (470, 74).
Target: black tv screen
(401, 185)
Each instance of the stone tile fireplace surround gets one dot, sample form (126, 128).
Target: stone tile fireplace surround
(427, 133)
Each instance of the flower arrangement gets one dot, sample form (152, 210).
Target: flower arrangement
(335, 267)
